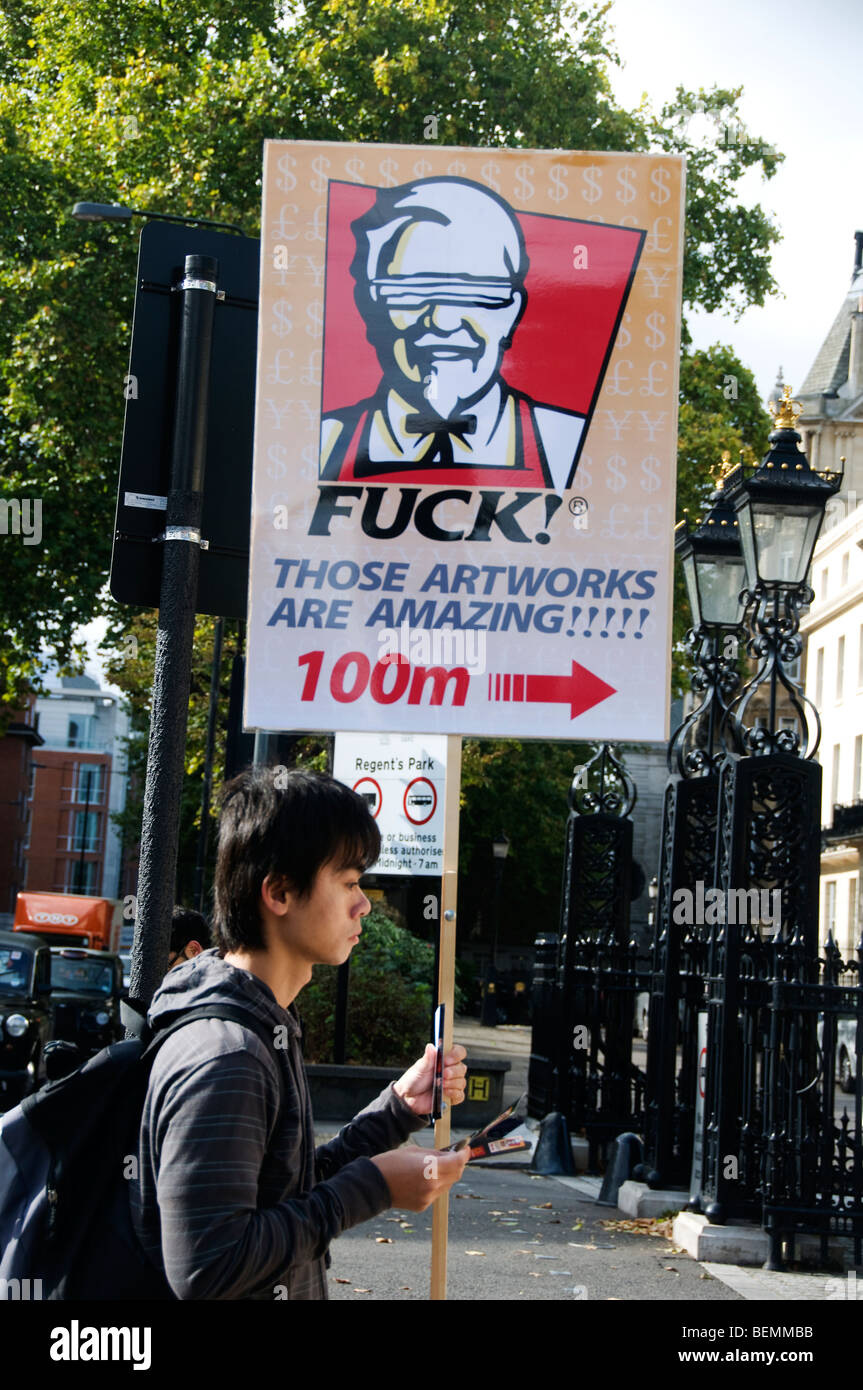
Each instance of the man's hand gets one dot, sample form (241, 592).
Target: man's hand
(417, 1177)
(417, 1085)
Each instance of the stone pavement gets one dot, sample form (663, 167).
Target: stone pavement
(517, 1236)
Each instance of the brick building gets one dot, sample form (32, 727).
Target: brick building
(17, 747)
(79, 778)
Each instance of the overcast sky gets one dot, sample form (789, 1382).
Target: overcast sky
(800, 67)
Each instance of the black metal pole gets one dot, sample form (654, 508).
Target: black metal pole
(173, 666)
(204, 833)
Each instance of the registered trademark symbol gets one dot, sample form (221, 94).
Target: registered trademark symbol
(578, 505)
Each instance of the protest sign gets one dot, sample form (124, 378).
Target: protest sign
(463, 496)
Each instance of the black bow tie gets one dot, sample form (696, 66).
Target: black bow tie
(442, 432)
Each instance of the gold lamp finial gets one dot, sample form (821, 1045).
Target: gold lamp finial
(724, 467)
(785, 411)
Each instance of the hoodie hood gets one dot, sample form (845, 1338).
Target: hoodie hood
(207, 979)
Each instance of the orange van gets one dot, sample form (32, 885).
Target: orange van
(64, 919)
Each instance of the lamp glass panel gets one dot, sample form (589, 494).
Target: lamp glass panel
(692, 587)
(747, 543)
(720, 580)
(784, 541)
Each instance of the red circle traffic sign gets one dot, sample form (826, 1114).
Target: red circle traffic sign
(373, 799)
(419, 806)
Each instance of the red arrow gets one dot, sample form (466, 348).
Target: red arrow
(581, 689)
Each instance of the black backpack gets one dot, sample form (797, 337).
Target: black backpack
(65, 1224)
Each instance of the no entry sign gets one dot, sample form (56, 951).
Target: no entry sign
(465, 441)
(401, 777)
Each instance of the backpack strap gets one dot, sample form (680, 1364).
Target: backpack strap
(231, 1014)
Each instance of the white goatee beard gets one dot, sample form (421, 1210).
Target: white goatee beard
(441, 390)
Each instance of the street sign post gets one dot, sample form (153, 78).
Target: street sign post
(150, 390)
(401, 777)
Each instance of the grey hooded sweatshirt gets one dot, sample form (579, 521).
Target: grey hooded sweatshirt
(232, 1200)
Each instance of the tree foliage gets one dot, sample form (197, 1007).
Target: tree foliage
(720, 410)
(161, 107)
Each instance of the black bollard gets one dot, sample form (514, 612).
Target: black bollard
(553, 1154)
(628, 1153)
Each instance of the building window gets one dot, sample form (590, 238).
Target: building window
(852, 916)
(81, 878)
(834, 781)
(830, 909)
(81, 731)
(840, 668)
(858, 768)
(84, 783)
(819, 672)
(85, 834)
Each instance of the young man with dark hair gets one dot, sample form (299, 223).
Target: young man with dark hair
(232, 1200)
(190, 935)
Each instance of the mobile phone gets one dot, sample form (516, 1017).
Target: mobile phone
(437, 1090)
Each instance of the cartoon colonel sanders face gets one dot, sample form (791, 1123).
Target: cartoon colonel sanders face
(439, 273)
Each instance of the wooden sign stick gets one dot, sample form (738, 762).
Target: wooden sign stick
(446, 989)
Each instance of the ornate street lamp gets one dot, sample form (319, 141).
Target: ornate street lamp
(715, 576)
(759, 1102)
(780, 507)
(714, 572)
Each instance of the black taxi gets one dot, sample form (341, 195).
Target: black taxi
(86, 990)
(25, 1014)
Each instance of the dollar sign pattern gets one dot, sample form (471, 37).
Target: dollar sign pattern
(591, 177)
(281, 324)
(315, 313)
(277, 467)
(557, 188)
(624, 337)
(422, 169)
(288, 181)
(524, 189)
(660, 193)
(457, 170)
(488, 171)
(320, 165)
(651, 480)
(354, 169)
(626, 192)
(615, 478)
(655, 338)
(388, 170)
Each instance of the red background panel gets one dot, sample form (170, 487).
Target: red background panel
(560, 346)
